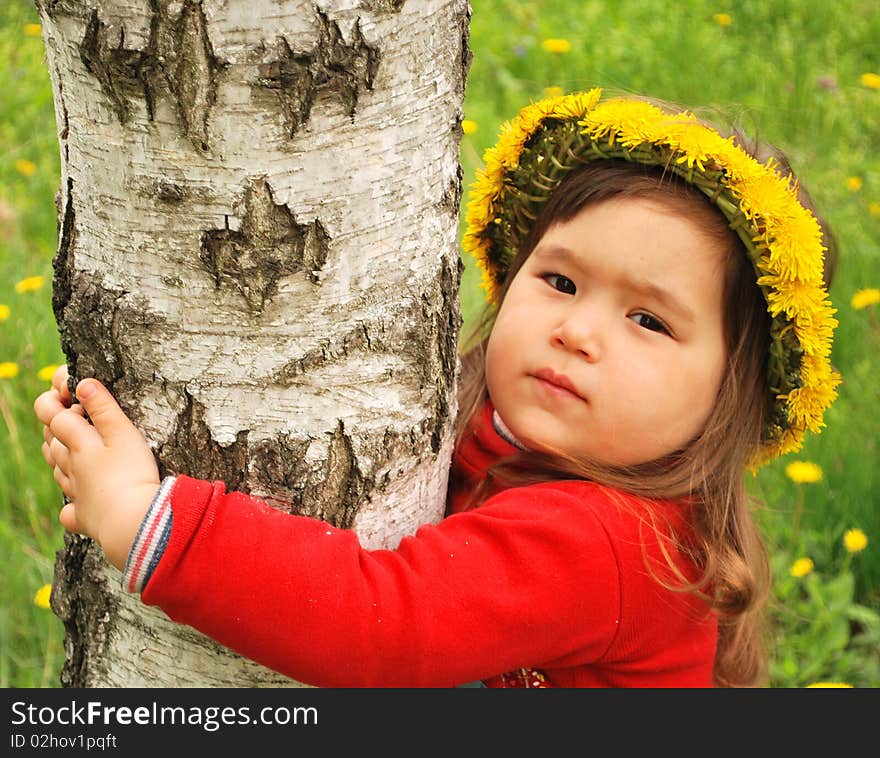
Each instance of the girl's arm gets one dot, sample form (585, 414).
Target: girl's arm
(529, 578)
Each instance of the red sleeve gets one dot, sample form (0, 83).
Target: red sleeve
(527, 579)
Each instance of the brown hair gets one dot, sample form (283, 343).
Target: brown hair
(726, 544)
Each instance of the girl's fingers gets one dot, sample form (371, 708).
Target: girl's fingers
(47, 454)
(59, 381)
(48, 405)
(67, 517)
(59, 454)
(62, 480)
(71, 427)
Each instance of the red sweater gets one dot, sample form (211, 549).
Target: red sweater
(551, 576)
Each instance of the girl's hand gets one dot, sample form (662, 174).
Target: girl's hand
(106, 469)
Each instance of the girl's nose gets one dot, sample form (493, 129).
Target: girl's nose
(579, 332)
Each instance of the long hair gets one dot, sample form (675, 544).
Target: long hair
(725, 543)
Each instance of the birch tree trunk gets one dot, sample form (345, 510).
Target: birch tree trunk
(257, 254)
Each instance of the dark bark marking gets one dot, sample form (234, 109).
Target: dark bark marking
(178, 60)
(84, 310)
(331, 489)
(95, 323)
(440, 310)
(332, 65)
(269, 245)
(356, 339)
(90, 327)
(122, 73)
(387, 6)
(339, 487)
(334, 488)
(191, 449)
(168, 191)
(192, 76)
(83, 604)
(466, 54)
(62, 263)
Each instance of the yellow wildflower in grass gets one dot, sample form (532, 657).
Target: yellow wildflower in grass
(556, 45)
(8, 370)
(803, 472)
(42, 595)
(47, 372)
(833, 685)
(855, 540)
(25, 167)
(553, 91)
(4, 312)
(864, 298)
(801, 567)
(723, 19)
(32, 30)
(874, 208)
(854, 183)
(870, 80)
(468, 126)
(30, 284)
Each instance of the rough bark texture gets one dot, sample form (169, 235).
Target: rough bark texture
(257, 254)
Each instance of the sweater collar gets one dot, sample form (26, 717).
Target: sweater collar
(484, 444)
(504, 432)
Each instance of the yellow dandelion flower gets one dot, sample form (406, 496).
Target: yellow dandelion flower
(30, 284)
(795, 297)
(864, 298)
(47, 372)
(8, 370)
(556, 45)
(801, 567)
(833, 685)
(468, 126)
(554, 91)
(25, 167)
(854, 183)
(855, 540)
(765, 195)
(691, 139)
(576, 105)
(487, 283)
(633, 118)
(805, 405)
(786, 241)
(723, 19)
(874, 208)
(42, 596)
(870, 80)
(814, 331)
(32, 30)
(4, 312)
(803, 472)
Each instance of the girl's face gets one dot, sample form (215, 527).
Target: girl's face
(609, 343)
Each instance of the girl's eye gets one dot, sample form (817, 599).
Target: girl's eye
(561, 283)
(652, 323)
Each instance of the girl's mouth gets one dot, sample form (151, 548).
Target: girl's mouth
(558, 384)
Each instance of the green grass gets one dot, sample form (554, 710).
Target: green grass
(788, 70)
(31, 638)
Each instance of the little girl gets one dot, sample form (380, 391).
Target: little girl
(658, 324)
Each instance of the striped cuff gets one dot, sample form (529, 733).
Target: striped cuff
(151, 540)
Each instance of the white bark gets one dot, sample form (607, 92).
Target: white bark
(258, 224)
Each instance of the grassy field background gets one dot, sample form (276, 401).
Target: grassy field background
(803, 74)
